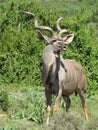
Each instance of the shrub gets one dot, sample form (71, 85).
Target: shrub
(4, 102)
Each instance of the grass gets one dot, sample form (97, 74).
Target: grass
(27, 112)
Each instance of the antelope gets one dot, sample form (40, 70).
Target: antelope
(59, 76)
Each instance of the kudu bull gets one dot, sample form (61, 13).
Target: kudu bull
(59, 76)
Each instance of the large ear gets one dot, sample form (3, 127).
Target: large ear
(68, 39)
(42, 37)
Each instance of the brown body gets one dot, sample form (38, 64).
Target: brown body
(67, 74)
(75, 79)
(60, 77)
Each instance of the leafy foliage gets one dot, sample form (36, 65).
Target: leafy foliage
(4, 102)
(20, 52)
(20, 62)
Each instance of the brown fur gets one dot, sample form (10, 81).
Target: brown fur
(59, 76)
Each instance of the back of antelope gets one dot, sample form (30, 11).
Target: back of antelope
(59, 76)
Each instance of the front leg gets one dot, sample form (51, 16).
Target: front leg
(57, 101)
(48, 94)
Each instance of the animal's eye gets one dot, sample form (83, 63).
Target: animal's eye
(54, 40)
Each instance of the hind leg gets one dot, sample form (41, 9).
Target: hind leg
(82, 95)
(68, 102)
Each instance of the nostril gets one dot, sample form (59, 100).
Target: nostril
(65, 47)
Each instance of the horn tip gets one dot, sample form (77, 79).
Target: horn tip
(60, 17)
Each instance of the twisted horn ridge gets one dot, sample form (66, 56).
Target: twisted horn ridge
(37, 26)
(61, 31)
(58, 22)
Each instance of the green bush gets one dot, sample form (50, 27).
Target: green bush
(20, 52)
(4, 102)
